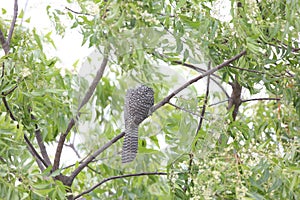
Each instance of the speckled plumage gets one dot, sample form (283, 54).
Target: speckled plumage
(138, 101)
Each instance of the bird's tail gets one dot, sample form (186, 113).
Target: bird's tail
(130, 145)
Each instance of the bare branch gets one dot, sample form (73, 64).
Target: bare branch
(83, 102)
(40, 142)
(198, 69)
(262, 99)
(204, 105)
(92, 169)
(13, 22)
(94, 155)
(8, 108)
(76, 12)
(295, 49)
(257, 72)
(119, 177)
(226, 63)
(11, 90)
(202, 71)
(180, 108)
(34, 152)
(4, 43)
(235, 99)
(213, 104)
(71, 145)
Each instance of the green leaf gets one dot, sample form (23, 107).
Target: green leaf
(21, 15)
(37, 39)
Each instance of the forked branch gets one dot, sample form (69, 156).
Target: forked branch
(86, 98)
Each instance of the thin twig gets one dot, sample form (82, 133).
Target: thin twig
(86, 98)
(226, 63)
(34, 152)
(262, 99)
(198, 69)
(39, 139)
(4, 43)
(76, 12)
(204, 105)
(256, 71)
(92, 169)
(8, 109)
(180, 108)
(201, 71)
(71, 145)
(81, 161)
(213, 104)
(10, 91)
(119, 177)
(295, 49)
(289, 73)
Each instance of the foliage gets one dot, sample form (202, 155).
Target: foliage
(254, 155)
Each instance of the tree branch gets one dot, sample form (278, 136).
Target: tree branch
(8, 108)
(4, 43)
(119, 177)
(226, 63)
(76, 12)
(41, 144)
(262, 99)
(35, 153)
(259, 72)
(235, 99)
(83, 102)
(13, 23)
(71, 145)
(180, 108)
(94, 155)
(39, 139)
(204, 105)
(213, 104)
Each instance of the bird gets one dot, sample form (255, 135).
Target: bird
(138, 102)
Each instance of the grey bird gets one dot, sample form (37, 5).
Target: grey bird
(138, 102)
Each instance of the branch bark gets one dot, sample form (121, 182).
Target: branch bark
(235, 99)
(119, 177)
(204, 105)
(6, 42)
(13, 23)
(35, 153)
(86, 98)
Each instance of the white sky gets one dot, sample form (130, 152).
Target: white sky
(69, 48)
